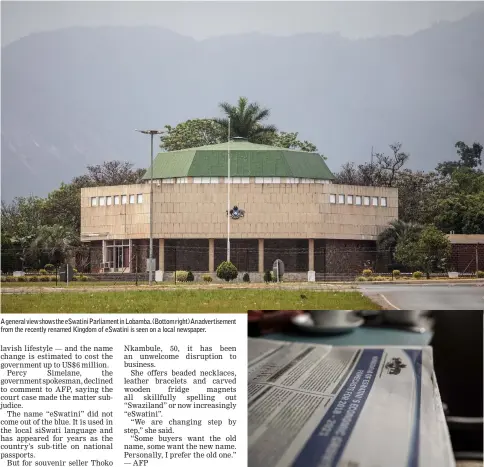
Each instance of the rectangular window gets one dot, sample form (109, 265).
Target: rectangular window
(182, 180)
(276, 179)
(140, 198)
(383, 202)
(244, 180)
(259, 180)
(341, 199)
(94, 201)
(124, 199)
(214, 180)
(349, 199)
(131, 199)
(116, 199)
(197, 179)
(235, 179)
(374, 201)
(332, 199)
(358, 200)
(109, 200)
(102, 201)
(168, 180)
(267, 180)
(366, 200)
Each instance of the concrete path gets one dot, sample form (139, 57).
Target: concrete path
(427, 297)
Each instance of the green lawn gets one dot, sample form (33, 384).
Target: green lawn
(183, 301)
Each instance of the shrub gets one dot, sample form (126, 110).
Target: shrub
(227, 271)
(4, 278)
(190, 277)
(74, 270)
(480, 274)
(43, 272)
(33, 279)
(417, 274)
(207, 278)
(361, 279)
(181, 276)
(380, 278)
(396, 273)
(370, 278)
(11, 279)
(268, 276)
(44, 279)
(21, 279)
(50, 267)
(246, 277)
(82, 278)
(367, 272)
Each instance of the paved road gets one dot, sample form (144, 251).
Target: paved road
(427, 297)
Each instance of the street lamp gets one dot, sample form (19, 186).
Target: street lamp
(150, 268)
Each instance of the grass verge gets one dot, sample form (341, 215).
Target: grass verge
(184, 301)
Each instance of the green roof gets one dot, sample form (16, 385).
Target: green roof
(246, 160)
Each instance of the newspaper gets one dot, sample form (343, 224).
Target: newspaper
(319, 405)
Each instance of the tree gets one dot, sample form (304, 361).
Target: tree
(63, 206)
(202, 132)
(56, 241)
(20, 221)
(469, 157)
(429, 251)
(192, 134)
(246, 120)
(397, 232)
(289, 140)
(108, 174)
(381, 171)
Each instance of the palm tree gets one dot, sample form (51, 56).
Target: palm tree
(397, 230)
(245, 121)
(55, 241)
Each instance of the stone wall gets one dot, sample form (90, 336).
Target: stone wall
(272, 210)
(464, 257)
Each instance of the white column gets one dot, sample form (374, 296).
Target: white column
(105, 255)
(130, 255)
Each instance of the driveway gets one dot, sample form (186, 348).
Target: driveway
(427, 297)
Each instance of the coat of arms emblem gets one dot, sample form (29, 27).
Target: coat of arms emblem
(394, 367)
(236, 213)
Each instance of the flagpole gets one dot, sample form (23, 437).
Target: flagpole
(228, 194)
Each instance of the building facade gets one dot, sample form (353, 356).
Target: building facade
(283, 205)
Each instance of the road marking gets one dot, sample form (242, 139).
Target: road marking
(389, 302)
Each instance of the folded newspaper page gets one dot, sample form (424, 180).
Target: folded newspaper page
(318, 405)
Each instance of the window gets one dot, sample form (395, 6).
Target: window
(116, 199)
(259, 180)
(131, 199)
(366, 200)
(374, 201)
(341, 199)
(383, 202)
(139, 198)
(168, 180)
(94, 201)
(182, 180)
(349, 199)
(102, 201)
(332, 199)
(124, 199)
(109, 200)
(358, 200)
(267, 180)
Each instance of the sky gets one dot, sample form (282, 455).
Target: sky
(201, 20)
